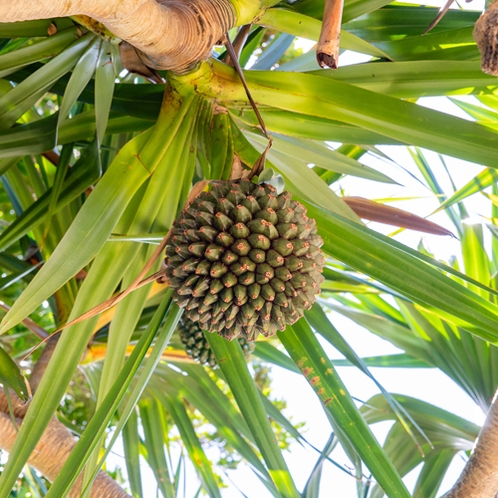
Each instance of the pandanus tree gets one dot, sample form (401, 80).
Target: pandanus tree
(96, 165)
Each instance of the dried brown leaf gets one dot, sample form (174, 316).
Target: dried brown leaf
(374, 211)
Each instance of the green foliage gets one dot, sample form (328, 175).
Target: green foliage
(95, 165)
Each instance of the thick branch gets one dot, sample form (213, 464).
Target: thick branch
(479, 478)
(169, 34)
(57, 442)
(52, 452)
(486, 37)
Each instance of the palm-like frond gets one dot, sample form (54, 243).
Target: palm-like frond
(143, 146)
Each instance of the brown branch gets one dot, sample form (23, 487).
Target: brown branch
(52, 157)
(40, 332)
(42, 362)
(57, 442)
(20, 408)
(238, 44)
(486, 37)
(327, 50)
(439, 16)
(167, 34)
(235, 60)
(479, 478)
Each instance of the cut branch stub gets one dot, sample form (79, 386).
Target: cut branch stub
(486, 37)
(327, 50)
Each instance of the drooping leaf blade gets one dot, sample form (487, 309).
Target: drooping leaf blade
(309, 356)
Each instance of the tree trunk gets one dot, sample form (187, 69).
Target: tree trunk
(486, 37)
(51, 453)
(479, 478)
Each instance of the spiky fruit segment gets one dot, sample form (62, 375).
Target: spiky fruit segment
(197, 346)
(243, 259)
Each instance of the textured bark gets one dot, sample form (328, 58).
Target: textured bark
(479, 478)
(57, 442)
(486, 37)
(167, 34)
(50, 454)
(327, 51)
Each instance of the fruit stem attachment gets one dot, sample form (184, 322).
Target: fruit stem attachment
(235, 60)
(260, 163)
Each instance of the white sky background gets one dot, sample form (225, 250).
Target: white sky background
(430, 385)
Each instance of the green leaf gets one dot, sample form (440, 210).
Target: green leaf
(83, 174)
(484, 179)
(321, 155)
(131, 445)
(298, 176)
(307, 27)
(428, 174)
(176, 409)
(415, 79)
(71, 347)
(60, 174)
(6, 164)
(35, 52)
(81, 75)
(11, 377)
(152, 425)
(319, 321)
(443, 426)
(357, 8)
(32, 138)
(99, 215)
(310, 357)
(275, 414)
(221, 142)
(231, 360)
(448, 434)
(200, 390)
(385, 260)
(352, 8)
(401, 120)
(401, 21)
(302, 126)
(433, 473)
(451, 44)
(16, 102)
(271, 354)
(312, 488)
(104, 88)
(401, 360)
(253, 41)
(119, 391)
(272, 53)
(33, 28)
